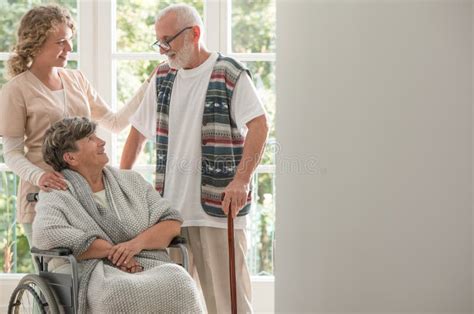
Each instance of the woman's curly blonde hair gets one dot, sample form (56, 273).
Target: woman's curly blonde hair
(35, 27)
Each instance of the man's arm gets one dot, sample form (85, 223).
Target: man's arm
(156, 237)
(235, 194)
(133, 147)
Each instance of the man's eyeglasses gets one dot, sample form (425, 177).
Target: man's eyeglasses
(165, 44)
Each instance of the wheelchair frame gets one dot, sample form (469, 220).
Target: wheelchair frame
(62, 289)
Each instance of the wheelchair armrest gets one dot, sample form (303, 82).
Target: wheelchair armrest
(60, 251)
(176, 241)
(179, 242)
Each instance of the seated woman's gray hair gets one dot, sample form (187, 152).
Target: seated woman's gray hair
(61, 138)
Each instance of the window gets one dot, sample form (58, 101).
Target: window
(114, 51)
(252, 41)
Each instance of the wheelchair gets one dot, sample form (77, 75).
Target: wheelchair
(54, 293)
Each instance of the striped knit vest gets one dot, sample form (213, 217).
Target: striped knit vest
(221, 142)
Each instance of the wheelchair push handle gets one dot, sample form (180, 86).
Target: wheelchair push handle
(177, 240)
(32, 197)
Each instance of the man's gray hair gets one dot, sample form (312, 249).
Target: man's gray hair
(186, 15)
(61, 138)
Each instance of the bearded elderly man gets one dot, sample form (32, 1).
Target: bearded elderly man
(210, 130)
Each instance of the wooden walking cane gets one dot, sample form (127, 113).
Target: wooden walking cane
(230, 238)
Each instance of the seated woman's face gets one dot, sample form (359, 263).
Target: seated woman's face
(57, 47)
(90, 154)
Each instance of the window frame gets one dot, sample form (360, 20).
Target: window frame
(97, 58)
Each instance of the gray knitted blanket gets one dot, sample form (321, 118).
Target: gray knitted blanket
(72, 219)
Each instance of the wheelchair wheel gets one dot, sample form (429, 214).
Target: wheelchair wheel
(33, 295)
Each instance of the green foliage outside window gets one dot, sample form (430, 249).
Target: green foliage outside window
(253, 26)
(3, 79)
(13, 10)
(136, 19)
(15, 256)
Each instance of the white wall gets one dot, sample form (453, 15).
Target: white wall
(374, 102)
(472, 154)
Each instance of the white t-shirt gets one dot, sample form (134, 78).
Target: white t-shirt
(183, 168)
(101, 198)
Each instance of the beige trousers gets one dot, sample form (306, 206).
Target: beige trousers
(209, 266)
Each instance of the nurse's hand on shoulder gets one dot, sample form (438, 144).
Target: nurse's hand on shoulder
(235, 196)
(52, 180)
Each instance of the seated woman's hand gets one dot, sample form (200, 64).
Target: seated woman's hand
(121, 254)
(52, 180)
(132, 267)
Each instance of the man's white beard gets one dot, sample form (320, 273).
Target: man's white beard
(183, 57)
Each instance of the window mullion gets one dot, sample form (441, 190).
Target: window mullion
(211, 24)
(85, 36)
(105, 65)
(225, 26)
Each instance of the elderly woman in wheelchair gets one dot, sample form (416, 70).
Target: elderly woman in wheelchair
(116, 226)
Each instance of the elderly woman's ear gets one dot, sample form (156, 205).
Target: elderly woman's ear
(70, 159)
